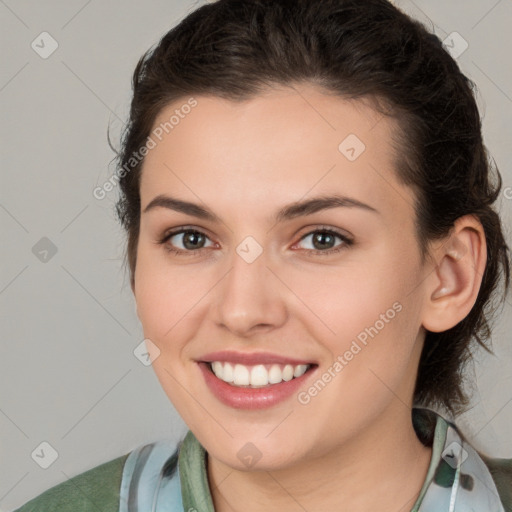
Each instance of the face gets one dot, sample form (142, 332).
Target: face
(336, 286)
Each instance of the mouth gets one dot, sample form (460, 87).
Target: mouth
(254, 387)
(254, 380)
(257, 376)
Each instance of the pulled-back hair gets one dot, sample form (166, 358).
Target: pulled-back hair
(353, 49)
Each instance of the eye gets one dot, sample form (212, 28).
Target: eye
(323, 239)
(192, 241)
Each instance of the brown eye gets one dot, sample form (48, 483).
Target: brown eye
(192, 239)
(184, 241)
(323, 241)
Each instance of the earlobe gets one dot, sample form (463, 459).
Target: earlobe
(452, 289)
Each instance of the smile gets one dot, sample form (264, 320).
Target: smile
(274, 383)
(256, 376)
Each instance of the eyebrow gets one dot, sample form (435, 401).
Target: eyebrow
(291, 211)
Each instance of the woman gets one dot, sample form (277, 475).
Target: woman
(312, 250)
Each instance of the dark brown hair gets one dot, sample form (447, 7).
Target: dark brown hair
(358, 49)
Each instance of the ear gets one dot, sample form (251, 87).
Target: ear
(452, 288)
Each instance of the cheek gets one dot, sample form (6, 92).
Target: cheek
(163, 295)
(343, 301)
(365, 313)
(164, 302)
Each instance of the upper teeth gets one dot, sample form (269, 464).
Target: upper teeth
(258, 375)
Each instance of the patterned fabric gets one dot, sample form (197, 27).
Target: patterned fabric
(163, 477)
(461, 482)
(150, 479)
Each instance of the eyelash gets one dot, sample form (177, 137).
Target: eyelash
(347, 242)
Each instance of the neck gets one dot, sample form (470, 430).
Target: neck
(383, 468)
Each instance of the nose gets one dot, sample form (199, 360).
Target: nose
(250, 298)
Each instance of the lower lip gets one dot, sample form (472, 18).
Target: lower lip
(252, 398)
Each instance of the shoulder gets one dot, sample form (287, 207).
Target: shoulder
(93, 490)
(501, 471)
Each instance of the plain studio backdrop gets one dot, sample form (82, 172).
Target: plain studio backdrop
(71, 385)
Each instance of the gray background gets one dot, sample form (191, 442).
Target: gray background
(68, 373)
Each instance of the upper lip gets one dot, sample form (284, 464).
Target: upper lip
(253, 358)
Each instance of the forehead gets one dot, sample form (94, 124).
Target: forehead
(274, 149)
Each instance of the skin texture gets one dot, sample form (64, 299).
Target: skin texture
(353, 446)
